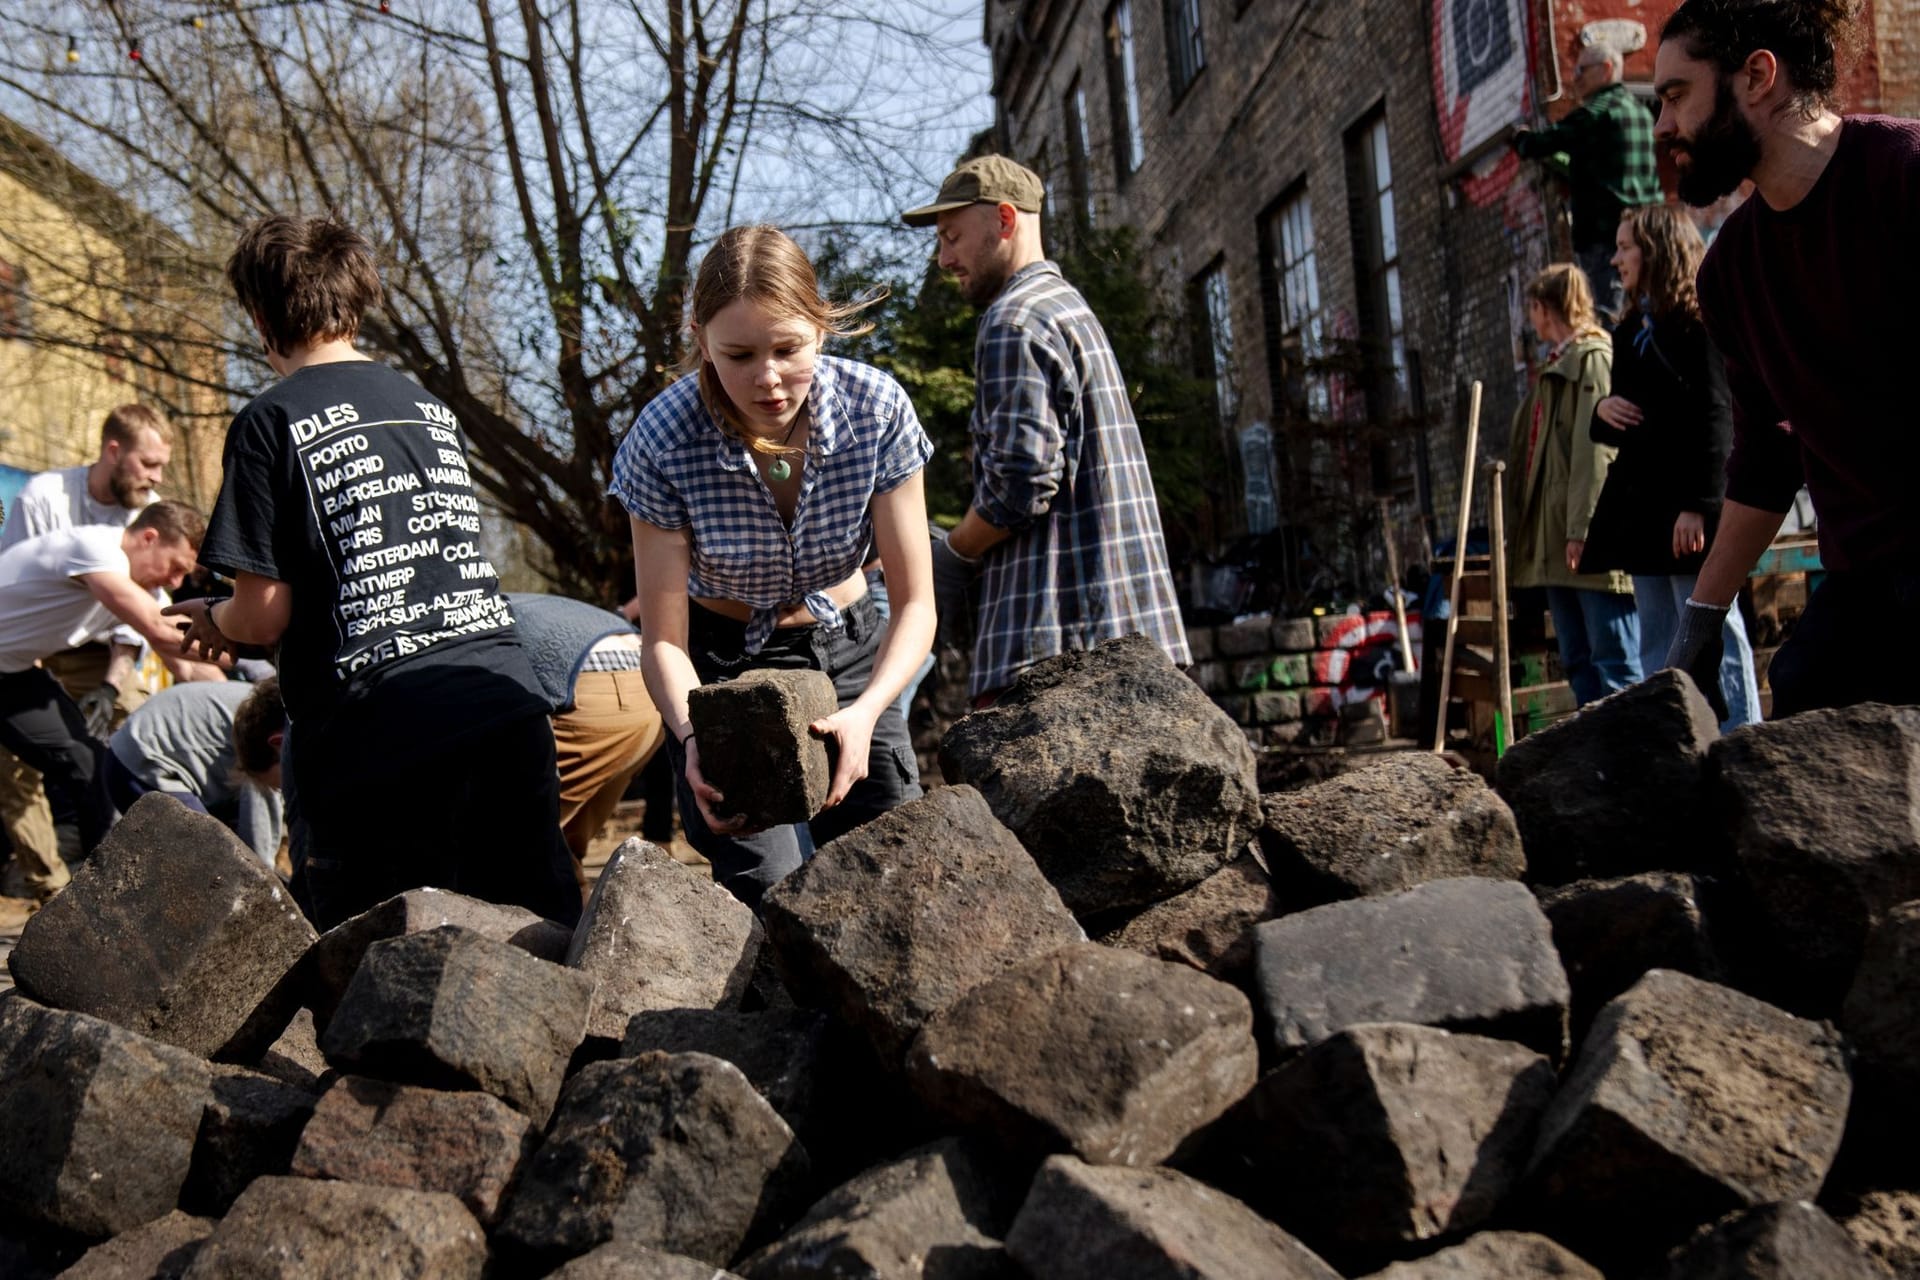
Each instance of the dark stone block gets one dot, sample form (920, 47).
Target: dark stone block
(658, 935)
(172, 929)
(374, 1132)
(934, 1211)
(1688, 1101)
(1826, 813)
(1470, 955)
(755, 747)
(781, 1052)
(99, 1122)
(159, 1250)
(335, 958)
(1014, 1059)
(1125, 783)
(1612, 932)
(673, 1151)
(1790, 1241)
(1618, 788)
(1403, 821)
(1210, 926)
(1092, 1222)
(1387, 1135)
(251, 1126)
(1495, 1255)
(455, 1010)
(895, 920)
(299, 1228)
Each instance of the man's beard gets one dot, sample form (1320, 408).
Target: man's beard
(984, 284)
(128, 493)
(1724, 152)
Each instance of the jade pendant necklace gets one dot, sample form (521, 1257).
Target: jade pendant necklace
(780, 470)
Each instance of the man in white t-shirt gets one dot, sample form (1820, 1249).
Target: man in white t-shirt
(97, 671)
(59, 588)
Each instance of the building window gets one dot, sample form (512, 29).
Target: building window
(1296, 320)
(1377, 246)
(1079, 152)
(1213, 338)
(1186, 55)
(1123, 85)
(16, 310)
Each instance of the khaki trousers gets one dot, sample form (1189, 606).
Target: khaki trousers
(25, 812)
(611, 733)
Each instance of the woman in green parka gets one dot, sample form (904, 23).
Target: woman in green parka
(1557, 471)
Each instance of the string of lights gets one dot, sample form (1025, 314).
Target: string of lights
(131, 48)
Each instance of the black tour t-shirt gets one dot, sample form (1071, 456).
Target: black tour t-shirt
(349, 483)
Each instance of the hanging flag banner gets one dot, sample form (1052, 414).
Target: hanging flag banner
(1480, 84)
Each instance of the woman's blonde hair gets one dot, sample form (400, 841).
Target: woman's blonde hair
(761, 264)
(1563, 289)
(1670, 253)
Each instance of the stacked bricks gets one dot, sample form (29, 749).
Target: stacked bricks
(1302, 681)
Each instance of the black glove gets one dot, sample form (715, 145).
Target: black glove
(96, 705)
(1697, 650)
(953, 579)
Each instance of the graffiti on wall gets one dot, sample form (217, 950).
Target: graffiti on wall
(1356, 657)
(1481, 84)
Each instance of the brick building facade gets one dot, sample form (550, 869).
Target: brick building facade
(99, 305)
(1328, 186)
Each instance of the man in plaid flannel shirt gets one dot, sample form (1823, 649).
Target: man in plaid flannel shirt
(1608, 141)
(1063, 533)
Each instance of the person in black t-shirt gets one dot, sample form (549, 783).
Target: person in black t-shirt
(348, 521)
(1808, 292)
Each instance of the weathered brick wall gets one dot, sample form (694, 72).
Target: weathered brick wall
(1285, 83)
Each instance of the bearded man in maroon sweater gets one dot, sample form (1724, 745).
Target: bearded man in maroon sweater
(1809, 291)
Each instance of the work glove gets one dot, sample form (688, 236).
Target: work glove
(953, 579)
(1697, 650)
(96, 706)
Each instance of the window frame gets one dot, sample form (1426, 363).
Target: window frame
(1186, 46)
(1123, 91)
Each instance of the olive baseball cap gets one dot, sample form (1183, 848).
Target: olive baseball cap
(982, 180)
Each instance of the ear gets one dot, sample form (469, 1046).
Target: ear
(1760, 74)
(700, 339)
(276, 738)
(1006, 219)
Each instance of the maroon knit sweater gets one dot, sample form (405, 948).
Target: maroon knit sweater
(1817, 310)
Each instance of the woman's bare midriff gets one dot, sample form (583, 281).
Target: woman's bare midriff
(790, 615)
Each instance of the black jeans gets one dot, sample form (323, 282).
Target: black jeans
(40, 724)
(481, 819)
(1850, 645)
(750, 865)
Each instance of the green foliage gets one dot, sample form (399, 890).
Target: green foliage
(1151, 337)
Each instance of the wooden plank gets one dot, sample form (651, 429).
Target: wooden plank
(1537, 706)
(1475, 632)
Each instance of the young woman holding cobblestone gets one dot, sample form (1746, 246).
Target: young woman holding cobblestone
(753, 490)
